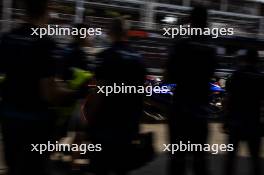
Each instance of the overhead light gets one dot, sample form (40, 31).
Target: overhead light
(170, 19)
(261, 1)
(54, 15)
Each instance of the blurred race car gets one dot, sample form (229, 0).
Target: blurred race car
(156, 106)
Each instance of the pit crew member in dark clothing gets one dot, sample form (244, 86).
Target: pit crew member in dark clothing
(117, 122)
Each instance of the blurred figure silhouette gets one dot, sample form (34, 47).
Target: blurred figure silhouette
(75, 56)
(28, 90)
(245, 92)
(116, 123)
(191, 63)
(73, 59)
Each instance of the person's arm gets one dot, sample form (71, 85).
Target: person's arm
(3, 55)
(55, 93)
(52, 91)
(262, 87)
(170, 66)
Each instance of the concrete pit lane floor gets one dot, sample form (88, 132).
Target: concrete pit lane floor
(159, 165)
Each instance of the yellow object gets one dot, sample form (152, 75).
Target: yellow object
(79, 78)
(2, 79)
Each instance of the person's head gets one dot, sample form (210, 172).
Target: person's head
(117, 30)
(36, 10)
(198, 17)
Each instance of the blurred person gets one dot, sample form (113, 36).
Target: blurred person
(75, 56)
(29, 89)
(73, 69)
(243, 104)
(73, 65)
(191, 66)
(116, 123)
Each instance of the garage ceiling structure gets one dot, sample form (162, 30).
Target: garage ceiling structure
(245, 16)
